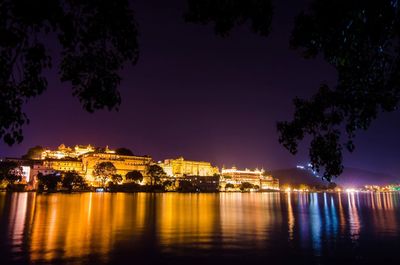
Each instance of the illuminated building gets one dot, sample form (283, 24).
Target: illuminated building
(269, 183)
(202, 183)
(64, 165)
(65, 152)
(26, 172)
(180, 167)
(83, 159)
(255, 177)
(122, 163)
(40, 168)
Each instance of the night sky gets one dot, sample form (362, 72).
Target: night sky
(203, 97)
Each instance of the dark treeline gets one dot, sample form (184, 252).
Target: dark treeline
(360, 39)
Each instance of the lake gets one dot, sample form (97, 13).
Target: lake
(177, 228)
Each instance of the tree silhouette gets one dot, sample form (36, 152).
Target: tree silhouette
(96, 39)
(50, 181)
(229, 186)
(246, 186)
(124, 151)
(10, 171)
(155, 172)
(34, 153)
(116, 178)
(360, 39)
(72, 179)
(134, 175)
(104, 172)
(227, 14)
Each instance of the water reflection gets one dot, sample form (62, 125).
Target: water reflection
(354, 221)
(104, 228)
(291, 218)
(190, 220)
(315, 222)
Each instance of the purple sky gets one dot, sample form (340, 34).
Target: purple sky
(204, 97)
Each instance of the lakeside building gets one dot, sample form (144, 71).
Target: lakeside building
(123, 163)
(64, 165)
(180, 167)
(63, 151)
(199, 183)
(255, 177)
(83, 159)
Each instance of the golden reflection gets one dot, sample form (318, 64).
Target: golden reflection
(248, 218)
(187, 219)
(384, 215)
(17, 219)
(81, 224)
(372, 199)
(378, 200)
(389, 199)
(341, 214)
(72, 227)
(385, 203)
(290, 216)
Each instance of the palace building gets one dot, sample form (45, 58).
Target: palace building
(122, 163)
(180, 167)
(256, 177)
(83, 159)
(65, 165)
(67, 152)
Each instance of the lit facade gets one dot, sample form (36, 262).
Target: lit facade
(255, 177)
(67, 152)
(180, 167)
(83, 159)
(122, 163)
(202, 183)
(64, 165)
(269, 183)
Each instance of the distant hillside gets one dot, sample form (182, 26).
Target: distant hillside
(357, 177)
(351, 177)
(295, 177)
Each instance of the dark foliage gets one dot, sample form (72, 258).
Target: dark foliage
(227, 14)
(34, 153)
(72, 180)
(48, 182)
(10, 171)
(96, 39)
(186, 186)
(104, 172)
(361, 40)
(155, 172)
(134, 175)
(116, 178)
(127, 187)
(124, 151)
(229, 186)
(246, 186)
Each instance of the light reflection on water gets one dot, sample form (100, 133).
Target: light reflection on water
(110, 228)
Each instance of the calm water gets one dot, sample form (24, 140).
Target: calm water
(234, 228)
